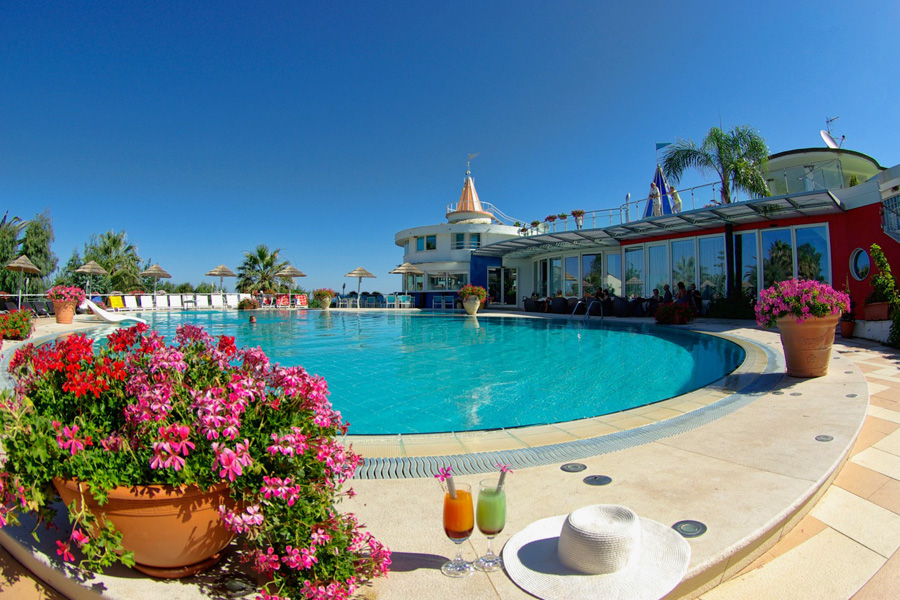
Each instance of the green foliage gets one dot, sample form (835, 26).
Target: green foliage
(736, 306)
(738, 158)
(248, 304)
(36, 242)
(10, 249)
(16, 325)
(257, 272)
(884, 286)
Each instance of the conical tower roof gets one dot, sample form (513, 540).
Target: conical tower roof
(469, 206)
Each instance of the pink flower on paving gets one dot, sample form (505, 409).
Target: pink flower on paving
(62, 549)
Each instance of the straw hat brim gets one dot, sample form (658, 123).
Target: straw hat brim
(532, 562)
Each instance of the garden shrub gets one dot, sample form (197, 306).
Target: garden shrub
(248, 304)
(16, 325)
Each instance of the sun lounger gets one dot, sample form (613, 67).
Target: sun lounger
(189, 300)
(36, 310)
(162, 301)
(131, 303)
(231, 300)
(110, 317)
(175, 301)
(282, 301)
(301, 301)
(216, 301)
(146, 302)
(115, 303)
(202, 300)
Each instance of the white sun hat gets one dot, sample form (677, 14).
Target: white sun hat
(600, 551)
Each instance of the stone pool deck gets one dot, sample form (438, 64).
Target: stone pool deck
(788, 516)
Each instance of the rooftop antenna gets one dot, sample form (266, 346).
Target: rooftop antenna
(826, 134)
(471, 156)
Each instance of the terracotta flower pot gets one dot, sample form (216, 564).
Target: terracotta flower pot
(876, 311)
(807, 345)
(65, 311)
(847, 328)
(471, 304)
(173, 532)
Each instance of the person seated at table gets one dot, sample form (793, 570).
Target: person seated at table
(653, 302)
(667, 294)
(696, 299)
(681, 295)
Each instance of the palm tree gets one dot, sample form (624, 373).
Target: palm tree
(738, 158)
(257, 272)
(118, 256)
(10, 245)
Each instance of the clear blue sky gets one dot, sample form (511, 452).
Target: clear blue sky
(204, 129)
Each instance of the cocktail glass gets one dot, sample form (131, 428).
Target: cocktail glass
(491, 518)
(459, 521)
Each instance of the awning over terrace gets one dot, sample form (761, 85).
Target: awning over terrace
(806, 204)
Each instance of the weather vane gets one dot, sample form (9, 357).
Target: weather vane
(471, 156)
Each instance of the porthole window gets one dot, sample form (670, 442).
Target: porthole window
(859, 264)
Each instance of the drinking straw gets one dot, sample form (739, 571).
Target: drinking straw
(446, 475)
(504, 469)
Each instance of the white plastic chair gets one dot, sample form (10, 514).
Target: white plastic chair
(392, 301)
(202, 301)
(437, 302)
(216, 301)
(162, 301)
(175, 302)
(131, 303)
(231, 300)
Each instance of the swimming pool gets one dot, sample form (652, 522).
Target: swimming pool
(425, 373)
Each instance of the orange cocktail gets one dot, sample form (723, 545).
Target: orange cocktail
(459, 519)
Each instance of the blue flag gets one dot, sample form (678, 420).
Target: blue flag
(660, 181)
(661, 145)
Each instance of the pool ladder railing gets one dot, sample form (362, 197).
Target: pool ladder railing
(587, 313)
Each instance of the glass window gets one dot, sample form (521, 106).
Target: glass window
(859, 264)
(540, 278)
(747, 267)
(570, 285)
(712, 267)
(592, 273)
(556, 279)
(420, 244)
(657, 269)
(614, 273)
(414, 282)
(634, 271)
(684, 264)
(777, 256)
(812, 253)
(457, 280)
(437, 281)
(475, 240)
(460, 241)
(431, 242)
(406, 247)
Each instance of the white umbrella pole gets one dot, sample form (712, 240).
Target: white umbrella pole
(20, 290)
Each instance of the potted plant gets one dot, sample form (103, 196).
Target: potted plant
(65, 300)
(578, 215)
(472, 297)
(248, 304)
(884, 297)
(563, 216)
(323, 296)
(806, 313)
(674, 313)
(248, 445)
(848, 319)
(550, 218)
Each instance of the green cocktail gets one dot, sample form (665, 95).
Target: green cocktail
(490, 516)
(491, 511)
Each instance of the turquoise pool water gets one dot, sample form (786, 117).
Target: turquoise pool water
(424, 373)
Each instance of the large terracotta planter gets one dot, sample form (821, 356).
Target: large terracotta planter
(65, 311)
(876, 311)
(471, 304)
(807, 345)
(173, 532)
(847, 328)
